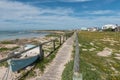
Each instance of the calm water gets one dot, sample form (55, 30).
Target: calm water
(5, 35)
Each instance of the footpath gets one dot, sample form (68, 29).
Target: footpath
(63, 56)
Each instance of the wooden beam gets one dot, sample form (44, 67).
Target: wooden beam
(76, 68)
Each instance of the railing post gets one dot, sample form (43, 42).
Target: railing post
(66, 36)
(53, 45)
(76, 69)
(63, 38)
(60, 40)
(41, 52)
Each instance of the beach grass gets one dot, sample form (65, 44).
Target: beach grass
(5, 49)
(68, 71)
(53, 35)
(7, 42)
(4, 64)
(93, 66)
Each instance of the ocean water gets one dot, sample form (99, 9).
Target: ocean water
(10, 35)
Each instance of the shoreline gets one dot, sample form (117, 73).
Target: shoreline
(23, 37)
(25, 34)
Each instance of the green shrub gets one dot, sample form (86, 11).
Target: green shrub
(7, 42)
(3, 49)
(68, 71)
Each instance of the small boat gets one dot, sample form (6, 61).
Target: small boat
(25, 60)
(18, 64)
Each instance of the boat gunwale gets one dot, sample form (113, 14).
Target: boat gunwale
(24, 57)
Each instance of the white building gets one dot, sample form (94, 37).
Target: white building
(92, 29)
(109, 26)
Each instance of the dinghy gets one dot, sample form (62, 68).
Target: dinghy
(18, 64)
(25, 60)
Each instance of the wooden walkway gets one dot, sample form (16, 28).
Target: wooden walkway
(55, 69)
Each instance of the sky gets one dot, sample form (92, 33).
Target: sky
(57, 14)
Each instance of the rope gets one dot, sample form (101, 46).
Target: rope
(5, 77)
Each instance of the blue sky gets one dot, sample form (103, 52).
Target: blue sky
(57, 14)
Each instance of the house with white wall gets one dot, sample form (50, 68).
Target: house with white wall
(111, 26)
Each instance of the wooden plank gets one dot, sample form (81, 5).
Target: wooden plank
(41, 52)
(60, 40)
(76, 68)
(63, 38)
(53, 45)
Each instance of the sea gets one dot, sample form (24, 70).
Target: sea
(11, 35)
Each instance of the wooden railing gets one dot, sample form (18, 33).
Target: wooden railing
(62, 38)
(76, 69)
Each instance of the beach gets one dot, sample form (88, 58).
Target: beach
(15, 44)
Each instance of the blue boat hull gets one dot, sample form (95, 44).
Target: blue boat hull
(18, 64)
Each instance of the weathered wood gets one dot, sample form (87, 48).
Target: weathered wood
(76, 68)
(63, 38)
(41, 52)
(66, 36)
(60, 40)
(53, 45)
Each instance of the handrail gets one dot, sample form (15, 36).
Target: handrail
(39, 45)
(12, 56)
(76, 68)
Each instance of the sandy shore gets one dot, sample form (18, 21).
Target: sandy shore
(105, 53)
(2, 72)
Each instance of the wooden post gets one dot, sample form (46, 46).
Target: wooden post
(76, 68)
(60, 40)
(63, 38)
(41, 52)
(53, 45)
(66, 36)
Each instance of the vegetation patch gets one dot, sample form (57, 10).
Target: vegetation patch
(94, 67)
(7, 42)
(4, 64)
(5, 49)
(68, 71)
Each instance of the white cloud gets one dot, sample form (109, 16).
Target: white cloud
(44, 1)
(74, 0)
(49, 1)
(20, 11)
(18, 15)
(99, 12)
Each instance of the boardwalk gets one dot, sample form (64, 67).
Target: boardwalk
(55, 69)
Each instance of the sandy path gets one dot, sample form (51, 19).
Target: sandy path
(105, 53)
(3, 71)
(55, 69)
